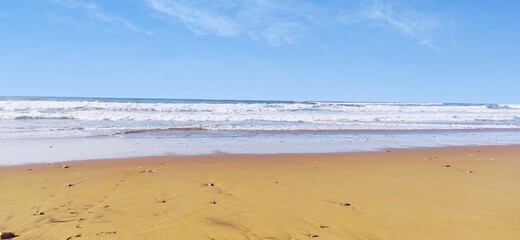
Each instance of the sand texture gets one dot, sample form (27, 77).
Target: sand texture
(439, 193)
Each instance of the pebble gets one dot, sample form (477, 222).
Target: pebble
(346, 204)
(66, 166)
(7, 235)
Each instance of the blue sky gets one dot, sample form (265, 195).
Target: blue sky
(358, 50)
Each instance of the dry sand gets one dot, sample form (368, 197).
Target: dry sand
(401, 194)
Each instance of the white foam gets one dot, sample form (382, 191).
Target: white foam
(43, 118)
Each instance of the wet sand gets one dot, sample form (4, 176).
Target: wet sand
(436, 193)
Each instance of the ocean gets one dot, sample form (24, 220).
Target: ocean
(36, 117)
(121, 127)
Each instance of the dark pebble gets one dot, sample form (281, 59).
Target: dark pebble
(7, 235)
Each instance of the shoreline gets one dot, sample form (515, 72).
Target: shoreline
(421, 193)
(13, 151)
(228, 154)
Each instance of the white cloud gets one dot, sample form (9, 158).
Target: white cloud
(199, 20)
(275, 22)
(95, 13)
(284, 21)
(402, 19)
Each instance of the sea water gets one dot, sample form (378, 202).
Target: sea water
(38, 129)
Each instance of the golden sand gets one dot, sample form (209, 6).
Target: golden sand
(442, 193)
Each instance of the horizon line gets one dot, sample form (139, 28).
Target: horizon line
(249, 100)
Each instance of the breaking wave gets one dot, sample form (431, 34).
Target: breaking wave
(88, 117)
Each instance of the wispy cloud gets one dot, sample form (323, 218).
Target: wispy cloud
(97, 14)
(284, 21)
(275, 22)
(197, 18)
(397, 17)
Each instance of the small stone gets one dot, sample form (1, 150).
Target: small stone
(70, 185)
(346, 204)
(446, 165)
(7, 235)
(163, 201)
(39, 213)
(313, 235)
(66, 166)
(323, 226)
(213, 202)
(211, 184)
(469, 171)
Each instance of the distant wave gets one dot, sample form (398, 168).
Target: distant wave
(41, 118)
(496, 106)
(151, 130)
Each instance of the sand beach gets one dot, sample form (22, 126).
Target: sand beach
(422, 193)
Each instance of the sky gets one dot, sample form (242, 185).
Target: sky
(327, 50)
